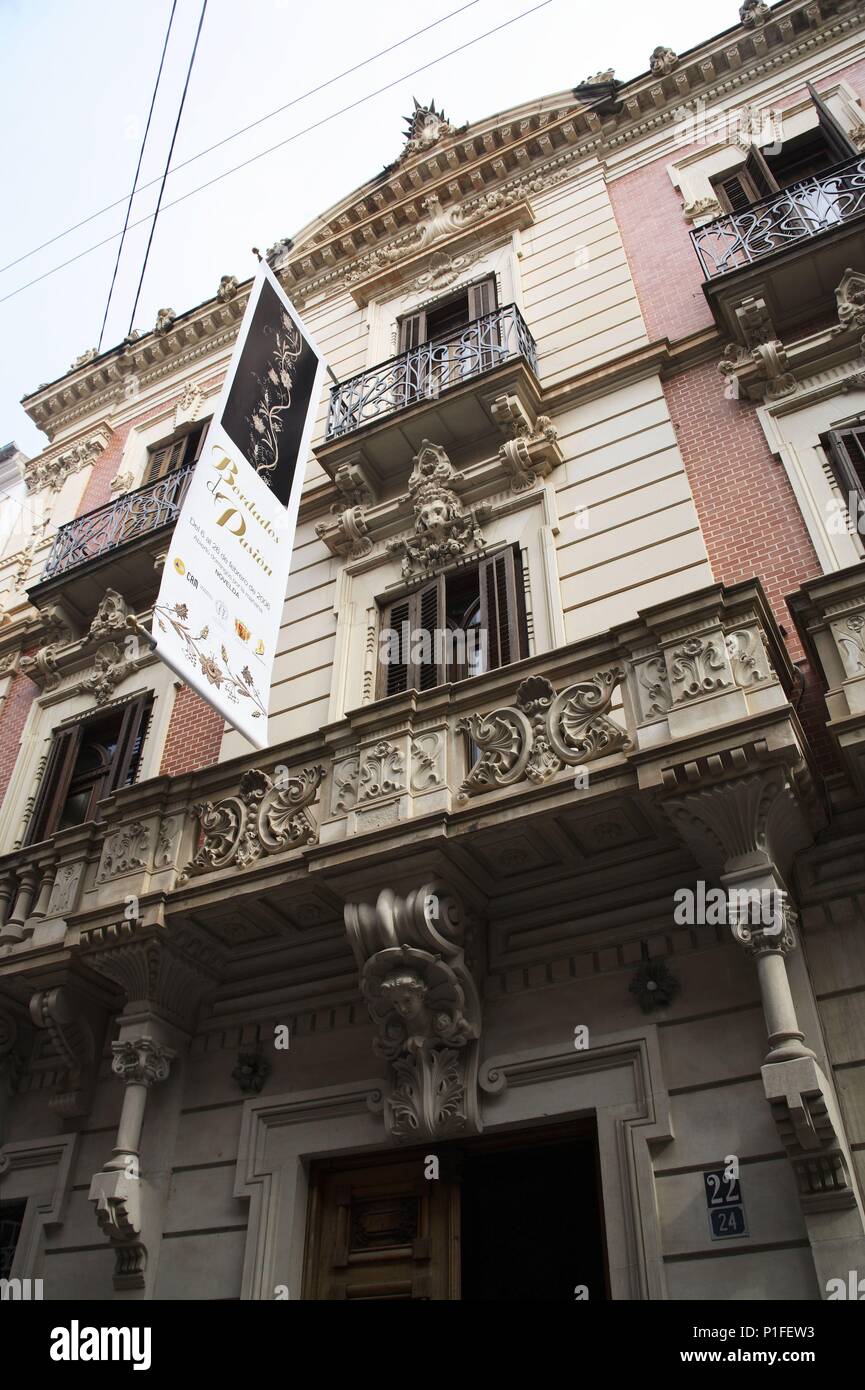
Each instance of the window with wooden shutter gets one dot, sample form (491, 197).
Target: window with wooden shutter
(173, 453)
(838, 142)
(501, 609)
(458, 625)
(482, 298)
(86, 762)
(407, 641)
(412, 331)
(748, 184)
(846, 450)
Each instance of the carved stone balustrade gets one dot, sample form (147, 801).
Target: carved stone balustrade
(691, 692)
(830, 616)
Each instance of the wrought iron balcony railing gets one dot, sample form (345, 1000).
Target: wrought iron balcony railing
(147, 509)
(426, 371)
(796, 214)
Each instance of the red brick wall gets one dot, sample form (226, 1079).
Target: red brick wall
(194, 735)
(13, 716)
(657, 241)
(749, 515)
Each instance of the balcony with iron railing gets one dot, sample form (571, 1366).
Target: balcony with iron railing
(791, 247)
(120, 536)
(450, 379)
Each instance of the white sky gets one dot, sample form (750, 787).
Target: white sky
(77, 77)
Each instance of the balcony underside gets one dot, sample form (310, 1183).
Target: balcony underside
(459, 416)
(129, 568)
(798, 284)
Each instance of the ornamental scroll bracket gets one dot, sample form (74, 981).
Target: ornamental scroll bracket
(423, 999)
(543, 732)
(268, 815)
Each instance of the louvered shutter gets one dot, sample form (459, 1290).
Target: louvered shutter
(55, 783)
(847, 453)
(127, 753)
(412, 331)
(394, 669)
(734, 194)
(840, 145)
(501, 609)
(760, 174)
(482, 298)
(429, 621)
(408, 658)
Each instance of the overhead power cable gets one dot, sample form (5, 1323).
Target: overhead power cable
(168, 162)
(184, 164)
(352, 106)
(137, 172)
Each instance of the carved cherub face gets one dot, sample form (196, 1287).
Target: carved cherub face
(406, 992)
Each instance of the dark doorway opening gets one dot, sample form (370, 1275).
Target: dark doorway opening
(530, 1222)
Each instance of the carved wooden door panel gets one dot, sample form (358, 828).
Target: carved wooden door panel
(382, 1232)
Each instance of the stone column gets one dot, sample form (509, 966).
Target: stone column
(140, 1062)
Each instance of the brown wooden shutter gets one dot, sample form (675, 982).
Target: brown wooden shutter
(482, 298)
(394, 671)
(55, 783)
(501, 609)
(760, 174)
(411, 617)
(127, 753)
(412, 331)
(430, 621)
(847, 454)
(164, 460)
(840, 145)
(734, 193)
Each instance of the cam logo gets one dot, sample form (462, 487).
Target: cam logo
(20, 1290)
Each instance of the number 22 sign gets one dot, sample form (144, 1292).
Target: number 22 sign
(724, 1200)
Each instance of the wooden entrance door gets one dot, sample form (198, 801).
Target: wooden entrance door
(382, 1231)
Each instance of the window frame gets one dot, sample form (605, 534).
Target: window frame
(501, 590)
(59, 771)
(179, 437)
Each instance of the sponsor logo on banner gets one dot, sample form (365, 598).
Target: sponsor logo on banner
(216, 620)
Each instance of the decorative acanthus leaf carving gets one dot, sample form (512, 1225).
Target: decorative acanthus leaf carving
(531, 449)
(265, 817)
(423, 1000)
(444, 529)
(125, 851)
(111, 616)
(543, 732)
(111, 666)
(41, 667)
(50, 471)
(694, 665)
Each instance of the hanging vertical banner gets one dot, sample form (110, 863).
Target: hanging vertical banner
(216, 620)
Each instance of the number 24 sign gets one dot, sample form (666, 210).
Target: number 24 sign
(724, 1200)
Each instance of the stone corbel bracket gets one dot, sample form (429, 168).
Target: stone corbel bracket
(757, 367)
(75, 1027)
(809, 1127)
(531, 450)
(424, 1001)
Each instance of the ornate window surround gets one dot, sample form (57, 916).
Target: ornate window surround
(142, 438)
(51, 709)
(793, 426)
(529, 519)
(692, 175)
(620, 1080)
(23, 1175)
(381, 316)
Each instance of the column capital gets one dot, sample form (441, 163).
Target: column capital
(141, 1061)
